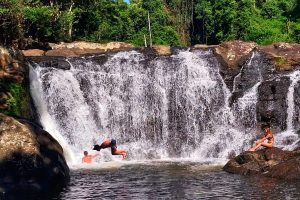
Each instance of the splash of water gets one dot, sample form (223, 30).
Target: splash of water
(167, 108)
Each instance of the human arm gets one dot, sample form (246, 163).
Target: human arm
(267, 137)
(95, 155)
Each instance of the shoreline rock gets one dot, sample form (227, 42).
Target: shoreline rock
(31, 160)
(270, 162)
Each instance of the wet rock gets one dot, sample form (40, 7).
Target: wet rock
(284, 56)
(296, 118)
(271, 162)
(267, 67)
(56, 63)
(31, 160)
(289, 170)
(272, 102)
(232, 55)
(72, 52)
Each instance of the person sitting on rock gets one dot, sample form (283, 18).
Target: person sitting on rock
(113, 145)
(87, 158)
(266, 141)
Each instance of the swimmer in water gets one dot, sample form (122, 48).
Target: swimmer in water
(88, 158)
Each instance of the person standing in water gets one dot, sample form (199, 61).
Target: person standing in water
(112, 143)
(88, 158)
(266, 141)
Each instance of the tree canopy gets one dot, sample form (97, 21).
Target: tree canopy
(173, 22)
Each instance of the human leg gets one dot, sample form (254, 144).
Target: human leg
(255, 147)
(265, 144)
(119, 152)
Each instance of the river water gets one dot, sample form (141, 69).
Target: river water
(172, 180)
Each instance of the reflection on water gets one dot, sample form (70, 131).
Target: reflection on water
(173, 181)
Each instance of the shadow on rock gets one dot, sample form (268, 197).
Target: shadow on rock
(31, 160)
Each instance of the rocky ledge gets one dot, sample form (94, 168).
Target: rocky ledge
(284, 56)
(79, 48)
(31, 160)
(271, 162)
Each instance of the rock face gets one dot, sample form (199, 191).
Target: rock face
(14, 84)
(270, 162)
(31, 160)
(231, 55)
(233, 51)
(75, 49)
(284, 56)
(33, 52)
(245, 65)
(162, 50)
(11, 66)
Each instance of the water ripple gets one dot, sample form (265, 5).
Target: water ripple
(173, 181)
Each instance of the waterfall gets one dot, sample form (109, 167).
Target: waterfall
(45, 118)
(245, 107)
(294, 77)
(289, 139)
(173, 107)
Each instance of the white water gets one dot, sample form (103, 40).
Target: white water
(45, 118)
(168, 109)
(289, 139)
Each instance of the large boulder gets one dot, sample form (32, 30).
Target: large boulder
(270, 162)
(232, 55)
(31, 160)
(233, 51)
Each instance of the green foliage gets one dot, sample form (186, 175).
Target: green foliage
(17, 97)
(40, 22)
(173, 22)
(165, 35)
(65, 25)
(11, 21)
(264, 22)
(295, 31)
(267, 31)
(162, 30)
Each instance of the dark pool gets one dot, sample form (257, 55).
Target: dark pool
(173, 181)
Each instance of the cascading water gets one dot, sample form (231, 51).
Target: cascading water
(244, 108)
(162, 108)
(289, 139)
